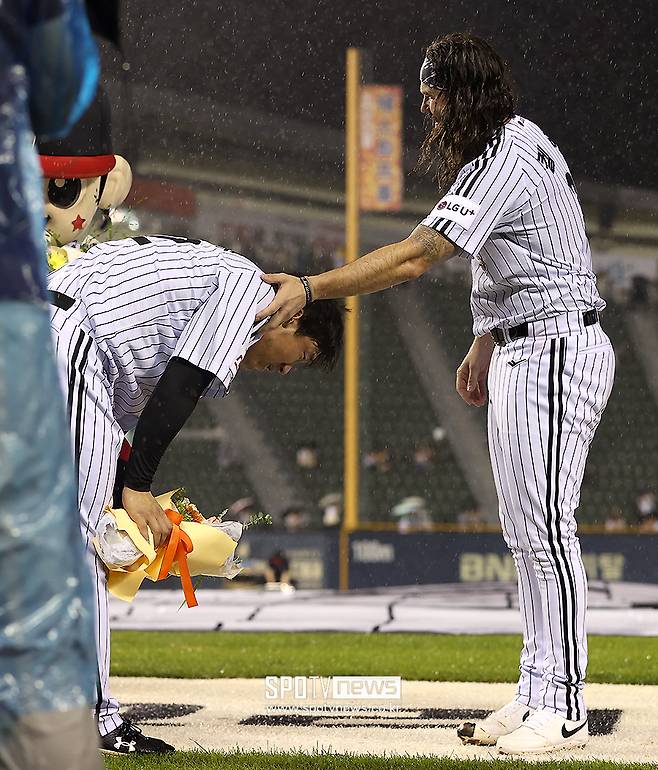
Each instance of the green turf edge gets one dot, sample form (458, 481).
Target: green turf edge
(422, 657)
(197, 760)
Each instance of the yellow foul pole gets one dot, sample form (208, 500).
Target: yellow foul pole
(351, 427)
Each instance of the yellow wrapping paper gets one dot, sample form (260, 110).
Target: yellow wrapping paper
(212, 548)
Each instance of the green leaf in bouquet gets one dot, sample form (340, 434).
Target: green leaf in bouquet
(195, 587)
(52, 239)
(257, 519)
(180, 501)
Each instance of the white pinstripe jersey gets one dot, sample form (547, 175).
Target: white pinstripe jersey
(514, 212)
(144, 300)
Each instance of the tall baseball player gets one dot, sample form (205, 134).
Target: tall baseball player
(144, 327)
(509, 205)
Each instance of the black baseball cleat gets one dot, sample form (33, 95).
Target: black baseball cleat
(129, 739)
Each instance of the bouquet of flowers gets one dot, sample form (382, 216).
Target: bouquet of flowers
(196, 546)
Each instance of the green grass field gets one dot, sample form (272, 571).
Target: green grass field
(206, 655)
(258, 761)
(613, 659)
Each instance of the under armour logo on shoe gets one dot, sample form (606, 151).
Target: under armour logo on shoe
(119, 745)
(568, 733)
(525, 716)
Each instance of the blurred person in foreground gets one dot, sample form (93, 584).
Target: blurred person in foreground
(508, 204)
(47, 656)
(143, 328)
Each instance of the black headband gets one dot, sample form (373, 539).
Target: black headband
(428, 75)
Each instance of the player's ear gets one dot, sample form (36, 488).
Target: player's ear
(118, 184)
(293, 320)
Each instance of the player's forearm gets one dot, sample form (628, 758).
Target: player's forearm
(171, 404)
(385, 267)
(484, 344)
(375, 271)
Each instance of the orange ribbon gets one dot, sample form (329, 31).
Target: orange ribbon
(177, 547)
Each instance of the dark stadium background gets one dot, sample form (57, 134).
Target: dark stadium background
(585, 71)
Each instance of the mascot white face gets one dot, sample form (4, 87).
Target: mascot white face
(71, 202)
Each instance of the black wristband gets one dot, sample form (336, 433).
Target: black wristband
(307, 289)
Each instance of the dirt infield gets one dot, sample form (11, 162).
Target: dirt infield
(229, 713)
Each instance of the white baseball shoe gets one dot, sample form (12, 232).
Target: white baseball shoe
(501, 722)
(543, 732)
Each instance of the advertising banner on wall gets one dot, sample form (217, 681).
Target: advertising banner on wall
(381, 148)
(392, 559)
(380, 559)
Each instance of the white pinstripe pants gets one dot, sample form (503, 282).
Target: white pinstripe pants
(546, 398)
(96, 438)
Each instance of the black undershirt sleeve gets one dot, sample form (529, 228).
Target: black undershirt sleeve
(169, 407)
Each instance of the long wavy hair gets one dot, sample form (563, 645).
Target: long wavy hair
(480, 99)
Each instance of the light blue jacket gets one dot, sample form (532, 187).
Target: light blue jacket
(48, 72)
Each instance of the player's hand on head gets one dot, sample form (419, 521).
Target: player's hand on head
(146, 512)
(290, 299)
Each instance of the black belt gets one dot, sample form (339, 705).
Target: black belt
(60, 300)
(590, 317)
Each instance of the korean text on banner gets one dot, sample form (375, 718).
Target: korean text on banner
(381, 148)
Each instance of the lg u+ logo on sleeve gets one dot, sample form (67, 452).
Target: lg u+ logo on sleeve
(458, 209)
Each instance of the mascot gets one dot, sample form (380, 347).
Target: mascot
(83, 181)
